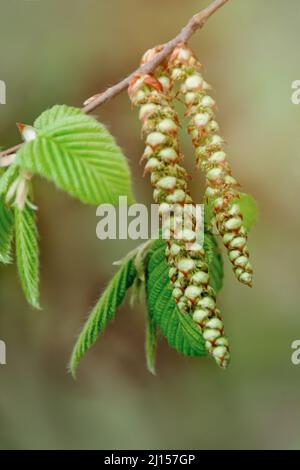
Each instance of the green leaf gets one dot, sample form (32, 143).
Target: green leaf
(103, 312)
(208, 213)
(151, 343)
(8, 178)
(180, 330)
(248, 207)
(27, 253)
(6, 233)
(79, 155)
(214, 260)
(249, 210)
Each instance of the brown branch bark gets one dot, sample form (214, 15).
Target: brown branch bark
(10, 150)
(195, 23)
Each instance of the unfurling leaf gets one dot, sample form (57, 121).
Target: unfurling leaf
(27, 253)
(103, 312)
(215, 261)
(7, 178)
(180, 330)
(151, 342)
(79, 155)
(6, 233)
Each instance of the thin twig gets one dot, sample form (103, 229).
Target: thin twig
(10, 150)
(195, 23)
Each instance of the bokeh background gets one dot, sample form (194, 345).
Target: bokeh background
(63, 51)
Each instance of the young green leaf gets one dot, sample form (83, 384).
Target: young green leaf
(27, 253)
(7, 178)
(248, 206)
(103, 312)
(151, 342)
(79, 155)
(6, 232)
(180, 330)
(214, 260)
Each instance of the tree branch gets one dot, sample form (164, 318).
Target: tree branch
(10, 150)
(195, 23)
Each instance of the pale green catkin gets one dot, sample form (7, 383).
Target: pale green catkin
(186, 257)
(211, 158)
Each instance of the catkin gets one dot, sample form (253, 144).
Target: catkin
(211, 158)
(186, 257)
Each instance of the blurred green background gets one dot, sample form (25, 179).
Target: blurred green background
(63, 51)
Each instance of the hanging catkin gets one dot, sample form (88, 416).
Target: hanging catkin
(211, 158)
(186, 257)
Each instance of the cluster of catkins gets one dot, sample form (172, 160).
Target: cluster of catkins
(186, 257)
(210, 156)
